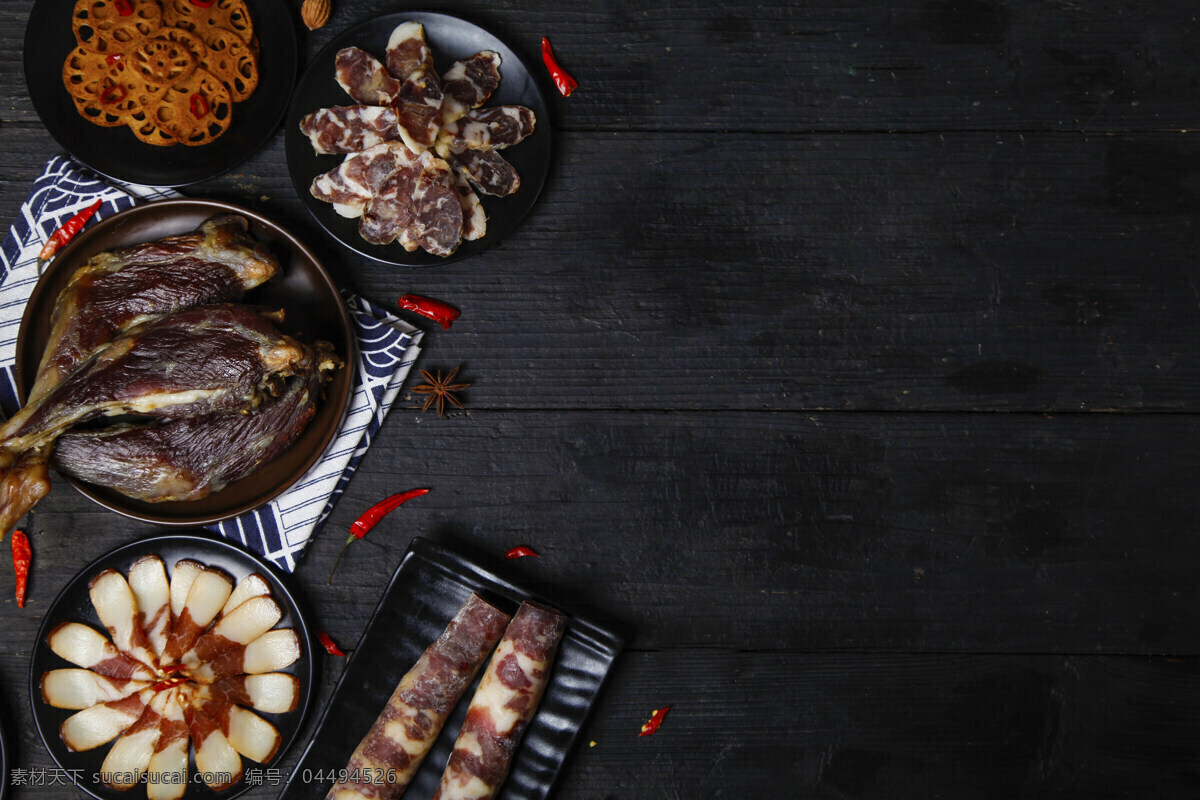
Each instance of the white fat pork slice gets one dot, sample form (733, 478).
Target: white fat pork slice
(182, 575)
(250, 734)
(217, 761)
(117, 608)
(152, 591)
(82, 688)
(270, 692)
(92, 727)
(167, 773)
(129, 756)
(503, 705)
(409, 724)
(275, 650)
(253, 585)
(86, 647)
(205, 599)
(241, 626)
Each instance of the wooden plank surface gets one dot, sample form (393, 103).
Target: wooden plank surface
(936, 271)
(794, 67)
(847, 362)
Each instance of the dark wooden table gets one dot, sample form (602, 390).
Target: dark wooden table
(849, 360)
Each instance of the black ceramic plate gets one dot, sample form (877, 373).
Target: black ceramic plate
(450, 38)
(304, 289)
(427, 589)
(74, 605)
(116, 152)
(3, 763)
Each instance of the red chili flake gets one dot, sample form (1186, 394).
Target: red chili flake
(124, 7)
(370, 518)
(521, 552)
(199, 105)
(436, 310)
(65, 233)
(565, 83)
(172, 669)
(113, 93)
(656, 718)
(22, 557)
(113, 58)
(330, 646)
(203, 3)
(170, 683)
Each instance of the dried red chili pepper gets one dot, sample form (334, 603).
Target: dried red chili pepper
(199, 105)
(169, 683)
(124, 7)
(656, 718)
(65, 233)
(565, 83)
(203, 3)
(329, 645)
(22, 557)
(112, 94)
(436, 310)
(370, 518)
(521, 552)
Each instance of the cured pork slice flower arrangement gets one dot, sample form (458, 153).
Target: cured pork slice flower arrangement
(417, 145)
(190, 663)
(208, 389)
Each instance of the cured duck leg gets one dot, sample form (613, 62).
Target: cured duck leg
(218, 262)
(187, 459)
(193, 362)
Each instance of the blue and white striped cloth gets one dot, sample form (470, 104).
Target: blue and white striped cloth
(388, 347)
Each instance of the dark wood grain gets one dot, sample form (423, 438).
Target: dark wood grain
(847, 363)
(938, 271)
(793, 67)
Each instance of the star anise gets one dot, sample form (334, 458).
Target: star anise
(440, 390)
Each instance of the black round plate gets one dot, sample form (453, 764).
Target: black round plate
(116, 152)
(73, 604)
(3, 763)
(450, 38)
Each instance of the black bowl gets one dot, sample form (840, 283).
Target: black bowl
(304, 289)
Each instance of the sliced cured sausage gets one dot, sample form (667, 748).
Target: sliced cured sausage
(503, 705)
(388, 757)
(468, 84)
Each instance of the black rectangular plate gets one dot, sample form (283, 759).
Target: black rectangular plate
(429, 586)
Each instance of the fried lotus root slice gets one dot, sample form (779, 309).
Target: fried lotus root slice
(148, 131)
(228, 14)
(100, 26)
(195, 110)
(85, 76)
(194, 43)
(105, 94)
(232, 60)
(160, 62)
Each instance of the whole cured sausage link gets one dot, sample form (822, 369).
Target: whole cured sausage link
(503, 705)
(388, 757)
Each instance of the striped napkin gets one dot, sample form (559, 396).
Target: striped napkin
(387, 349)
